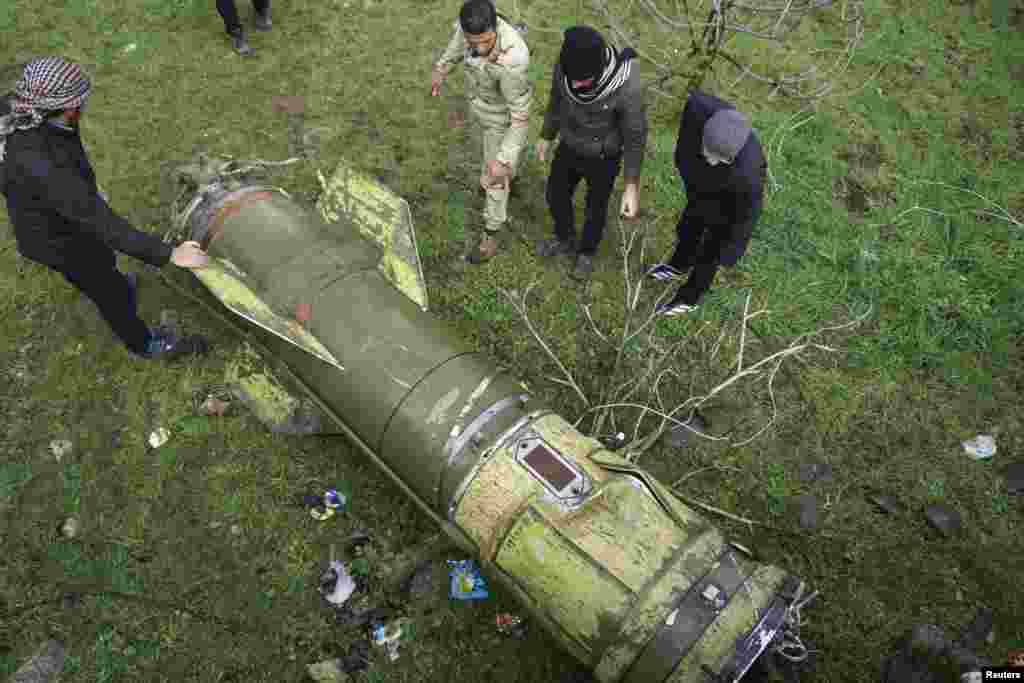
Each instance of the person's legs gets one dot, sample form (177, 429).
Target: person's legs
(496, 208)
(261, 6)
(229, 13)
(561, 186)
(688, 239)
(705, 266)
(109, 289)
(601, 175)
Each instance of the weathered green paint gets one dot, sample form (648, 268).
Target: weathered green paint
(738, 618)
(561, 580)
(225, 280)
(601, 576)
(379, 215)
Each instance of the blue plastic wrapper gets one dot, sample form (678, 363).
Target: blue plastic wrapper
(467, 583)
(333, 499)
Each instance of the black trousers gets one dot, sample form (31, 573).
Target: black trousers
(567, 169)
(697, 247)
(229, 13)
(700, 247)
(95, 274)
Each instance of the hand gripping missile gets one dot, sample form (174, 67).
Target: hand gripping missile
(622, 574)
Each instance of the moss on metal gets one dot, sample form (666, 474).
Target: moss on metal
(381, 216)
(223, 279)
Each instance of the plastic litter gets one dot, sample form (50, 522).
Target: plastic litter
(613, 442)
(325, 506)
(159, 437)
(70, 528)
(510, 625)
(980, 447)
(336, 585)
(334, 500)
(467, 583)
(942, 517)
(44, 665)
(389, 636)
(60, 448)
(328, 671)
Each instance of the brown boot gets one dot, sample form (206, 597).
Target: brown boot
(485, 250)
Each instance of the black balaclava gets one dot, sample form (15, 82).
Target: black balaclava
(584, 53)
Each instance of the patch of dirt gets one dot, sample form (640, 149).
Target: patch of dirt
(868, 156)
(976, 133)
(888, 232)
(1017, 136)
(855, 197)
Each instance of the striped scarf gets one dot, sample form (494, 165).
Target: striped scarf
(616, 72)
(48, 84)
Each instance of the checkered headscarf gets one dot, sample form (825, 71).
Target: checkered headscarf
(48, 84)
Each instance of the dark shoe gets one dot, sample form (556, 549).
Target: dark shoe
(553, 247)
(584, 267)
(663, 271)
(485, 250)
(241, 45)
(262, 21)
(165, 345)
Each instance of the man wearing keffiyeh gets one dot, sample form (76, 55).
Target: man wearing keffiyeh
(597, 109)
(60, 218)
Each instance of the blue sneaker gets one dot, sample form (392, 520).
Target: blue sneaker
(674, 308)
(164, 344)
(663, 271)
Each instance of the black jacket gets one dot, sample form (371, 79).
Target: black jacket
(724, 196)
(616, 124)
(55, 207)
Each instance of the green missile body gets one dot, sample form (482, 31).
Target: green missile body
(621, 573)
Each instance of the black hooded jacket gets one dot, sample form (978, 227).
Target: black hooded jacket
(726, 196)
(54, 205)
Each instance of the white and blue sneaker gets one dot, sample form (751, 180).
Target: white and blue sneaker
(663, 271)
(674, 308)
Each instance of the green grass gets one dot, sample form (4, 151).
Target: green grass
(854, 220)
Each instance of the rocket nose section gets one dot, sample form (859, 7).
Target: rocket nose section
(381, 216)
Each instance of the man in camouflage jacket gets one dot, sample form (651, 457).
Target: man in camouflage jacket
(500, 94)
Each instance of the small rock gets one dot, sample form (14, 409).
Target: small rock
(808, 505)
(44, 666)
(357, 658)
(61, 448)
(679, 436)
(236, 530)
(70, 528)
(942, 517)
(886, 503)
(1015, 478)
(815, 471)
(159, 437)
(71, 600)
(327, 671)
(422, 581)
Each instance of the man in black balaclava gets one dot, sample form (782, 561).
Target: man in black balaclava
(597, 109)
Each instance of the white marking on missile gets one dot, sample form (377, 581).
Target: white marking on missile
(477, 393)
(438, 413)
(400, 382)
(672, 618)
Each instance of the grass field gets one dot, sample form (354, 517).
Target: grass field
(902, 194)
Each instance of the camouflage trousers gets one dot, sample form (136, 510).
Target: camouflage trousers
(492, 129)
